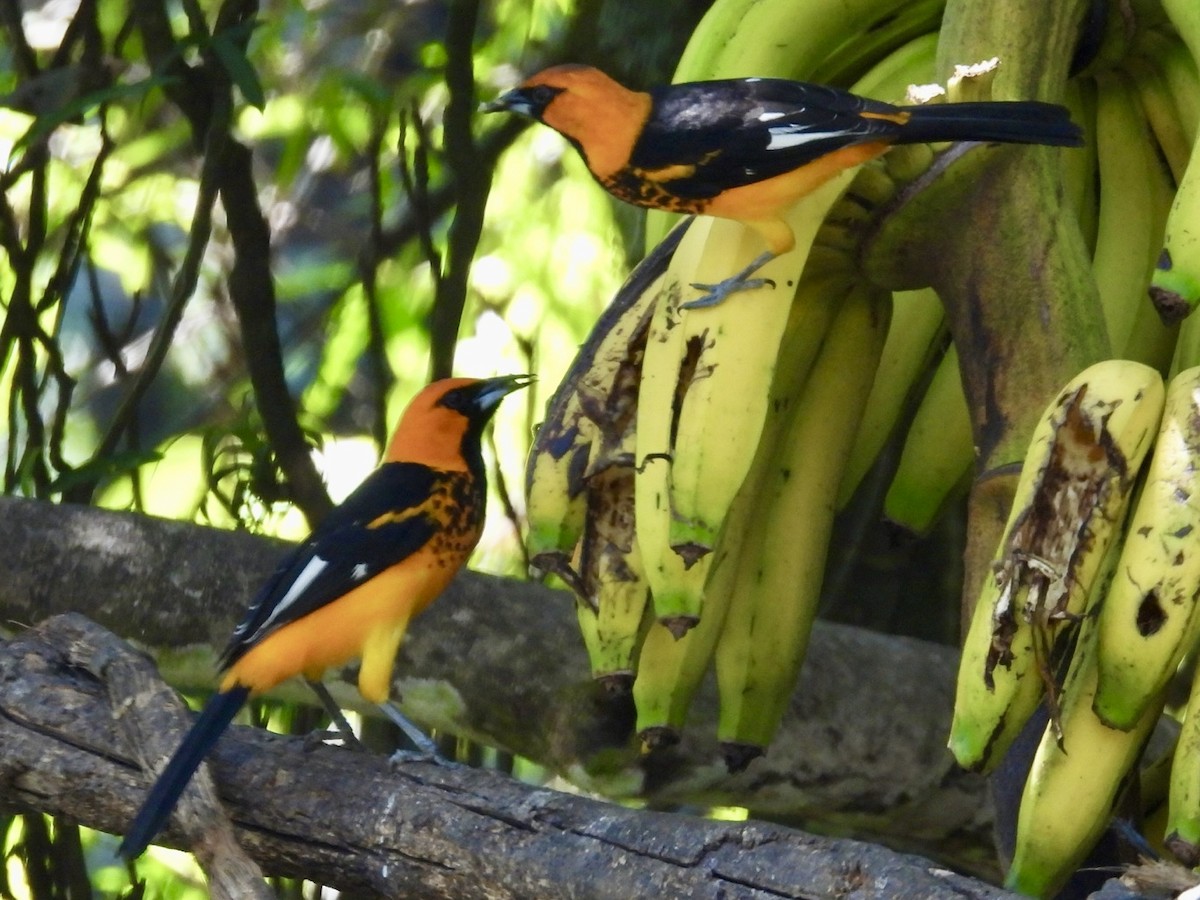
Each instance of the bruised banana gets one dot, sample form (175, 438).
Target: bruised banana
(775, 590)
(1075, 484)
(586, 416)
(668, 366)
(1076, 777)
(1151, 613)
(732, 350)
(670, 669)
(610, 570)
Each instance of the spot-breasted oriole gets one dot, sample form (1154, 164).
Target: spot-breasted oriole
(350, 589)
(748, 148)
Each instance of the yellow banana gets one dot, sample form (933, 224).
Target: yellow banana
(777, 585)
(724, 406)
(1075, 483)
(611, 574)
(1075, 779)
(670, 669)
(1150, 615)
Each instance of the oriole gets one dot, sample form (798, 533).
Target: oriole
(350, 589)
(748, 148)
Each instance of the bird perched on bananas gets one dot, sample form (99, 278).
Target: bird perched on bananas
(350, 589)
(749, 148)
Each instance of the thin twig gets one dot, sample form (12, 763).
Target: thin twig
(473, 183)
(182, 287)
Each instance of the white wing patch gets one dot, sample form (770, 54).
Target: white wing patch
(769, 116)
(308, 574)
(783, 136)
(359, 572)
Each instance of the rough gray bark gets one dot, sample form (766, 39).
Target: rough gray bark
(74, 700)
(861, 750)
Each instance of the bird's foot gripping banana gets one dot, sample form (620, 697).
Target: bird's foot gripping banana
(1070, 500)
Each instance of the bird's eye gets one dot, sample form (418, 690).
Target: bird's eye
(542, 94)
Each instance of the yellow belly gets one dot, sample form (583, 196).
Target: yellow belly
(367, 621)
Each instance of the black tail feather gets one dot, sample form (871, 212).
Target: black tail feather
(156, 809)
(1008, 122)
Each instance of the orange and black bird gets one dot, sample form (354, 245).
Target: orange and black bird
(748, 148)
(350, 589)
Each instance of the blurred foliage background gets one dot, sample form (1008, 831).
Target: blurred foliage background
(183, 181)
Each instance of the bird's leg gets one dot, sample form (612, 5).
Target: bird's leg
(335, 714)
(425, 749)
(716, 293)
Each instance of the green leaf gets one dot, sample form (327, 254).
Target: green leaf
(233, 59)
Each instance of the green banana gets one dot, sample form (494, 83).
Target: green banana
(915, 339)
(1130, 224)
(1150, 617)
(938, 453)
(1182, 831)
(1075, 483)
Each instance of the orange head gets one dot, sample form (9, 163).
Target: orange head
(443, 425)
(599, 116)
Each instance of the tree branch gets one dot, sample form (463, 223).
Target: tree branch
(251, 288)
(861, 749)
(411, 830)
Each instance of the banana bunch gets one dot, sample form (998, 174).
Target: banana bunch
(678, 449)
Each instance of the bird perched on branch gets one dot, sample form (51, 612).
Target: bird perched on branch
(748, 148)
(350, 589)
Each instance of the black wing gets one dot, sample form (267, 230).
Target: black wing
(740, 131)
(343, 552)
